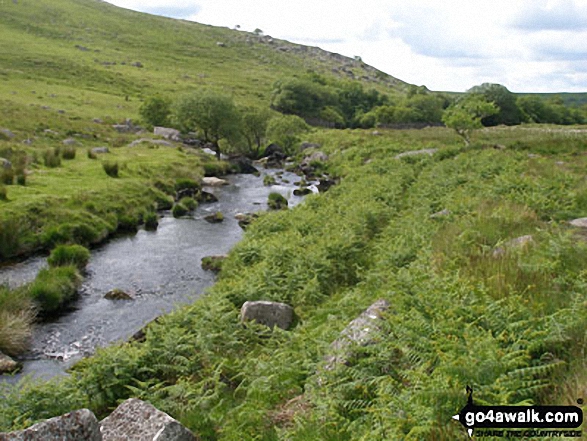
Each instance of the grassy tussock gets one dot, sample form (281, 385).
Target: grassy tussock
(53, 287)
(64, 255)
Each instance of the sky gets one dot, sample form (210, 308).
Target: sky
(446, 45)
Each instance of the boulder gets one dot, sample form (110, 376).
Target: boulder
(316, 156)
(140, 421)
(580, 223)
(274, 151)
(207, 197)
(441, 213)
(213, 263)
(74, 426)
(214, 182)
(428, 152)
(167, 133)
(244, 165)
(360, 331)
(118, 294)
(270, 314)
(214, 218)
(325, 183)
(309, 145)
(245, 219)
(97, 150)
(302, 191)
(6, 134)
(126, 127)
(150, 141)
(517, 243)
(70, 142)
(8, 365)
(5, 163)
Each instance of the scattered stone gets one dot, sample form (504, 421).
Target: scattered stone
(376, 133)
(214, 182)
(316, 156)
(61, 112)
(245, 219)
(8, 365)
(138, 420)
(244, 165)
(560, 163)
(5, 163)
(81, 48)
(6, 134)
(325, 183)
(150, 141)
(360, 331)
(580, 223)
(270, 314)
(137, 64)
(51, 132)
(429, 152)
(220, 44)
(70, 141)
(74, 426)
(28, 141)
(213, 263)
(517, 243)
(308, 145)
(126, 127)
(98, 121)
(97, 150)
(207, 197)
(118, 294)
(214, 218)
(441, 213)
(167, 133)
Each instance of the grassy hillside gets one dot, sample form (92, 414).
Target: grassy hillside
(81, 56)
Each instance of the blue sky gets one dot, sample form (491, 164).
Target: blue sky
(526, 45)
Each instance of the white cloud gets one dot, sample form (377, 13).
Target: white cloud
(527, 45)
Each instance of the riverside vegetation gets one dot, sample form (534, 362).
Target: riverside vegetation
(433, 234)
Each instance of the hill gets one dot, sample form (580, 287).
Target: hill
(93, 59)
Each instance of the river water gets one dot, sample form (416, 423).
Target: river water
(160, 268)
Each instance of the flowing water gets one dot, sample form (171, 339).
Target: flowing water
(161, 269)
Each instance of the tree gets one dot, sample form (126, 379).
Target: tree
(302, 97)
(508, 111)
(155, 111)
(213, 115)
(465, 115)
(253, 128)
(285, 130)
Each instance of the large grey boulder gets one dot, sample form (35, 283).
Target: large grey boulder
(517, 243)
(214, 182)
(75, 426)
(136, 420)
(70, 142)
(98, 150)
(167, 133)
(7, 364)
(361, 331)
(270, 314)
(151, 141)
(580, 223)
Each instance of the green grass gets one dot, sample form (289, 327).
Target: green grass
(64, 255)
(54, 287)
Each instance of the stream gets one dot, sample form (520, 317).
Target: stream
(160, 268)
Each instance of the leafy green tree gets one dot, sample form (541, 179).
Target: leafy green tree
(253, 128)
(213, 115)
(465, 115)
(302, 97)
(285, 131)
(508, 112)
(155, 111)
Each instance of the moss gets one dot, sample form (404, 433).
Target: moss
(276, 201)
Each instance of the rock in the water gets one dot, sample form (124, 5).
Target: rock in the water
(97, 150)
(118, 294)
(167, 133)
(270, 314)
(5, 163)
(428, 152)
(207, 197)
(6, 134)
(302, 191)
(75, 426)
(214, 182)
(213, 263)
(244, 165)
(8, 365)
(245, 219)
(325, 184)
(581, 222)
(359, 332)
(137, 420)
(214, 218)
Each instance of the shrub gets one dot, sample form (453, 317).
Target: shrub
(151, 221)
(69, 153)
(189, 203)
(64, 255)
(3, 193)
(163, 202)
(7, 176)
(276, 201)
(111, 168)
(53, 287)
(21, 179)
(51, 158)
(179, 210)
(155, 111)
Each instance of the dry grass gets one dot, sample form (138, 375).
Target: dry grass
(15, 331)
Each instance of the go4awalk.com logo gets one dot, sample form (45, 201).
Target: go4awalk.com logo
(520, 421)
